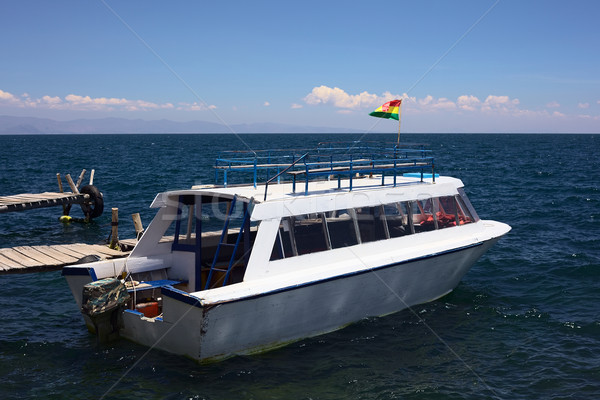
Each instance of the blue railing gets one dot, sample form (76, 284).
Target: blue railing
(337, 159)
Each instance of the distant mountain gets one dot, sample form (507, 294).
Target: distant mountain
(31, 125)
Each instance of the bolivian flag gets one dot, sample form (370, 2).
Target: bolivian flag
(388, 110)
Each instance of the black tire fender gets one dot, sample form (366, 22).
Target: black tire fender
(94, 206)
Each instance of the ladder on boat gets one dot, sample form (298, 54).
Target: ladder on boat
(243, 233)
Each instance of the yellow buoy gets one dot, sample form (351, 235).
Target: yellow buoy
(65, 219)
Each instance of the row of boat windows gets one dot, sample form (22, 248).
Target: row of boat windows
(317, 232)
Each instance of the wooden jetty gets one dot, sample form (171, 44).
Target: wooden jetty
(24, 259)
(88, 197)
(28, 201)
(52, 257)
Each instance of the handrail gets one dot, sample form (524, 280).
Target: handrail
(327, 160)
(282, 172)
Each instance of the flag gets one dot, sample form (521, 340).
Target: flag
(388, 110)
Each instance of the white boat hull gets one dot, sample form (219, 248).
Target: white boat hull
(261, 322)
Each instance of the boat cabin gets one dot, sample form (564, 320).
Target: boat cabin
(210, 235)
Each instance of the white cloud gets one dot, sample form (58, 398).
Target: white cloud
(499, 103)
(51, 100)
(195, 106)
(468, 102)
(553, 104)
(7, 97)
(339, 98)
(557, 114)
(426, 101)
(267, 104)
(77, 102)
(583, 105)
(443, 104)
(295, 106)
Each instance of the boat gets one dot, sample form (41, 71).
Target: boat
(286, 245)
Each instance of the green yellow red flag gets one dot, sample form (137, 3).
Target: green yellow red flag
(391, 109)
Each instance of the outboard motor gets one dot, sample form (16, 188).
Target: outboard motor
(104, 301)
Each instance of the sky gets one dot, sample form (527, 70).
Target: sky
(459, 66)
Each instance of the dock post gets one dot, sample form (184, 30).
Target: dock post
(66, 208)
(72, 184)
(114, 233)
(137, 223)
(80, 179)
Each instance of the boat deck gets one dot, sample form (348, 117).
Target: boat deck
(286, 190)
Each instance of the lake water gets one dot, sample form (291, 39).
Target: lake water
(523, 324)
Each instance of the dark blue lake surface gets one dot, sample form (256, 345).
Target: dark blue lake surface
(523, 324)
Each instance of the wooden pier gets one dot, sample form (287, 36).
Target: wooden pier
(46, 258)
(23, 259)
(88, 197)
(28, 201)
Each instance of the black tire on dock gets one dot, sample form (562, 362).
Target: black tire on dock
(95, 205)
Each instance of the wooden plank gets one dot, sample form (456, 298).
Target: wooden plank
(128, 242)
(82, 249)
(36, 197)
(97, 249)
(56, 252)
(37, 255)
(19, 258)
(69, 250)
(108, 251)
(9, 264)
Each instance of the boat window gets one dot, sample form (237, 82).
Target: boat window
(371, 223)
(446, 215)
(423, 215)
(309, 234)
(283, 247)
(343, 228)
(468, 209)
(215, 212)
(317, 232)
(397, 217)
(464, 214)
(182, 232)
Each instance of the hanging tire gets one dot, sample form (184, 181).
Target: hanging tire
(94, 206)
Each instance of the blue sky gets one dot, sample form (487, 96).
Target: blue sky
(461, 66)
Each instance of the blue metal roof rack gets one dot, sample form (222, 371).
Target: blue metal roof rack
(331, 159)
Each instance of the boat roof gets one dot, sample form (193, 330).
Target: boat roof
(322, 196)
(350, 175)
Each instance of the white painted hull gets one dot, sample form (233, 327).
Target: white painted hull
(261, 322)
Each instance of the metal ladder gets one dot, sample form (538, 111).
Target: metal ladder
(244, 230)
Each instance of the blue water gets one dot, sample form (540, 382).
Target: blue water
(523, 324)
